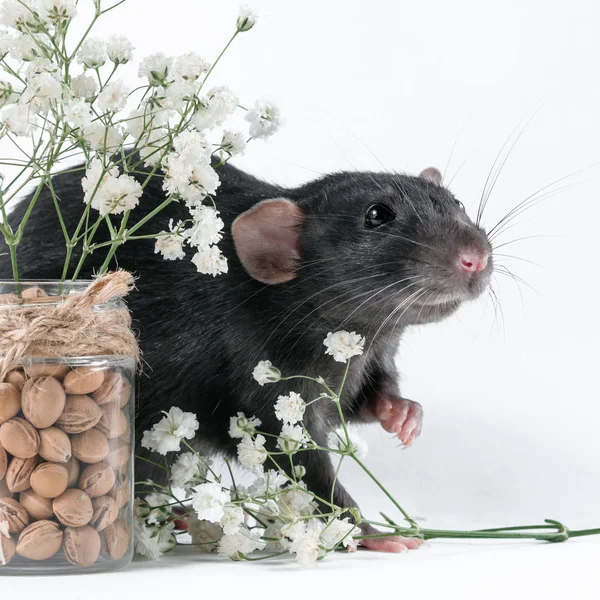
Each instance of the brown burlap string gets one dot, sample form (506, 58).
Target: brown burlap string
(72, 327)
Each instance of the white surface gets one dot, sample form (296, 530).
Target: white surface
(511, 407)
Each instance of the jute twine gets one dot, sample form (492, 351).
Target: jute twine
(72, 327)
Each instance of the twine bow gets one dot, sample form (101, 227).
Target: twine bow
(71, 328)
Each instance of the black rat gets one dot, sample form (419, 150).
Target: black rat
(368, 252)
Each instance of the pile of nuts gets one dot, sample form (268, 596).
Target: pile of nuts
(64, 463)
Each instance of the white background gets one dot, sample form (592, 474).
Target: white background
(512, 407)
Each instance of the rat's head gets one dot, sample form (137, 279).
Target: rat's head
(361, 248)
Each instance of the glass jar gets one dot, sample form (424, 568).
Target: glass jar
(66, 454)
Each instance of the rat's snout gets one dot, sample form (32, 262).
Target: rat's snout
(472, 260)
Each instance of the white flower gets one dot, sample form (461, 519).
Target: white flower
(252, 453)
(340, 531)
(209, 501)
(219, 103)
(241, 426)
(19, 119)
(23, 47)
(3, 532)
(100, 137)
(158, 508)
(43, 65)
(119, 49)
(292, 438)
(243, 542)
(233, 142)
(57, 11)
(156, 68)
(232, 519)
(192, 147)
(93, 173)
(84, 86)
(177, 94)
(92, 53)
(186, 469)
(152, 146)
(290, 409)
(113, 97)
(343, 345)
(117, 195)
(296, 502)
(6, 93)
(206, 228)
(264, 119)
(204, 181)
(357, 444)
(304, 541)
(265, 372)
(246, 19)
(41, 89)
(204, 534)
(190, 66)
(166, 435)
(18, 14)
(170, 245)
(210, 261)
(78, 113)
(152, 542)
(268, 484)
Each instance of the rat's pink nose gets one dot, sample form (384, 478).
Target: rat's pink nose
(473, 261)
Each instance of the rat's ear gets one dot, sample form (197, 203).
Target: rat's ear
(267, 240)
(431, 174)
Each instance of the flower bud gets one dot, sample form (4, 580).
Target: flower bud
(299, 472)
(246, 19)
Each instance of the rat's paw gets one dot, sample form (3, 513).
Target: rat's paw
(400, 416)
(391, 544)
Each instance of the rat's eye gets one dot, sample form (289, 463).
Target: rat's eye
(377, 215)
(460, 205)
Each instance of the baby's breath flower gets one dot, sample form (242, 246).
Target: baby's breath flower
(290, 409)
(246, 19)
(204, 534)
(241, 426)
(265, 372)
(190, 66)
(232, 519)
(20, 14)
(210, 261)
(6, 93)
(84, 86)
(41, 90)
(268, 484)
(92, 53)
(219, 103)
(177, 94)
(297, 502)
(23, 47)
(113, 97)
(233, 142)
(100, 137)
(152, 542)
(264, 119)
(170, 245)
(115, 195)
(304, 540)
(155, 67)
(187, 469)
(78, 113)
(340, 531)
(152, 146)
(58, 11)
(243, 542)
(19, 120)
(155, 508)
(166, 435)
(252, 453)
(209, 500)
(206, 228)
(119, 49)
(356, 443)
(343, 345)
(292, 438)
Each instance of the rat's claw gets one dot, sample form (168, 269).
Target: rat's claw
(391, 544)
(400, 416)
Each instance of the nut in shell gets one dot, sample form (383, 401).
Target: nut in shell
(115, 389)
(119, 454)
(42, 401)
(55, 445)
(37, 508)
(90, 446)
(121, 492)
(17, 379)
(3, 462)
(97, 480)
(19, 473)
(106, 512)
(73, 508)
(49, 480)
(83, 380)
(56, 370)
(113, 422)
(81, 545)
(80, 414)
(117, 539)
(73, 470)
(14, 514)
(19, 438)
(10, 402)
(40, 540)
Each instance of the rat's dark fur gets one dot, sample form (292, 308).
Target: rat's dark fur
(202, 336)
